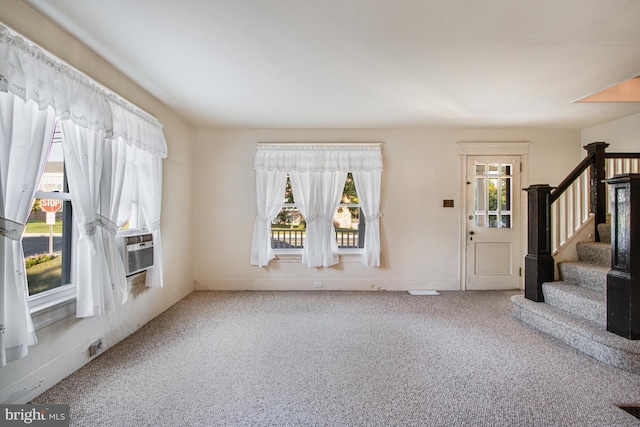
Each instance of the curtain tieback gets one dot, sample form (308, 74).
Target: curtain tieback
(11, 230)
(373, 217)
(88, 228)
(263, 218)
(107, 224)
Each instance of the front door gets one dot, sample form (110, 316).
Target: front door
(493, 234)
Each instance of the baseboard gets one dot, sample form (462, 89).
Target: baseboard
(332, 285)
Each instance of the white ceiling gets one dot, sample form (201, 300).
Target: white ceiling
(368, 63)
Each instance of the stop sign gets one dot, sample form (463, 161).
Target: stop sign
(50, 205)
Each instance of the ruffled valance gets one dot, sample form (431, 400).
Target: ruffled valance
(138, 131)
(30, 73)
(317, 158)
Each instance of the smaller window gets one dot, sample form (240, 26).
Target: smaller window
(288, 228)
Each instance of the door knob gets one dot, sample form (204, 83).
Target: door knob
(472, 232)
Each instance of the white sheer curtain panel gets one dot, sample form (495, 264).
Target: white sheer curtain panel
(322, 190)
(25, 137)
(115, 209)
(148, 167)
(368, 184)
(270, 186)
(328, 192)
(301, 188)
(318, 174)
(84, 153)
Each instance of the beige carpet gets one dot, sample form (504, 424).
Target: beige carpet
(344, 359)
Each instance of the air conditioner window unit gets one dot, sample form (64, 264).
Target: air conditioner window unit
(137, 251)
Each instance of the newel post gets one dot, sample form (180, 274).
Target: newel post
(623, 281)
(597, 196)
(538, 263)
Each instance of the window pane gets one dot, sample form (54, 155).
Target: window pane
(47, 240)
(493, 169)
(480, 194)
(347, 225)
(505, 221)
(493, 194)
(505, 194)
(282, 238)
(288, 217)
(480, 169)
(288, 192)
(493, 221)
(42, 244)
(288, 229)
(480, 221)
(349, 194)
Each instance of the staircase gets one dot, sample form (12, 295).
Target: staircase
(575, 309)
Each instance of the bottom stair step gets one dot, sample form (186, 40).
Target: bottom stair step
(579, 301)
(583, 335)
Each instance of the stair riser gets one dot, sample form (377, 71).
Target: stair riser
(595, 253)
(604, 230)
(575, 274)
(595, 311)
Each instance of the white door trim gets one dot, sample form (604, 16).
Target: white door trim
(491, 148)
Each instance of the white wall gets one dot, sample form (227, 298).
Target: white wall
(420, 238)
(623, 135)
(63, 346)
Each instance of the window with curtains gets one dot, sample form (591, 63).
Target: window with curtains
(110, 149)
(334, 188)
(288, 228)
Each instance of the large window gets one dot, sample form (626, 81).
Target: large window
(47, 239)
(102, 133)
(288, 228)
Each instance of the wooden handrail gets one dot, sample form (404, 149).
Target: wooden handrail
(622, 156)
(575, 173)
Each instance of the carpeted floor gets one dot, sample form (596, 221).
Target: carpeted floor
(344, 359)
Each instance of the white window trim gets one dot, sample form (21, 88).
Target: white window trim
(53, 195)
(52, 305)
(57, 303)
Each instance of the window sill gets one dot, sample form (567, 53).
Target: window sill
(53, 305)
(289, 256)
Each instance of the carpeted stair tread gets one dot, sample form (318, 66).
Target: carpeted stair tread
(583, 274)
(577, 300)
(597, 253)
(583, 335)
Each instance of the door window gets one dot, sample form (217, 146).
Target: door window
(493, 195)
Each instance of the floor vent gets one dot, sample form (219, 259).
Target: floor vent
(633, 410)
